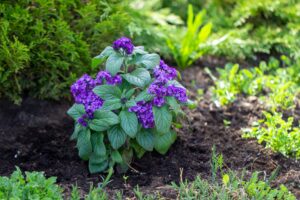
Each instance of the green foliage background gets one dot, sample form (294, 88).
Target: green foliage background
(251, 26)
(45, 45)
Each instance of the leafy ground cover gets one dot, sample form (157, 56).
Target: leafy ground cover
(34, 185)
(276, 86)
(43, 144)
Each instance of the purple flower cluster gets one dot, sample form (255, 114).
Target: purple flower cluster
(163, 73)
(160, 91)
(125, 44)
(144, 113)
(178, 92)
(110, 80)
(82, 91)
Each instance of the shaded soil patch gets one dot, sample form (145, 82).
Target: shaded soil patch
(35, 136)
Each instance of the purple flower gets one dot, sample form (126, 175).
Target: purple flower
(115, 80)
(102, 75)
(83, 120)
(111, 80)
(160, 91)
(82, 91)
(92, 103)
(144, 113)
(159, 101)
(178, 92)
(163, 73)
(82, 87)
(157, 89)
(123, 43)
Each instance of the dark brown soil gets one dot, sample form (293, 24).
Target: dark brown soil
(35, 136)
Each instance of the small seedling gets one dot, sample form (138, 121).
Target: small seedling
(276, 133)
(226, 123)
(125, 178)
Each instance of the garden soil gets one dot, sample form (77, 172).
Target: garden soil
(36, 136)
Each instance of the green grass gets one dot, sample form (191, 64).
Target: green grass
(225, 185)
(232, 186)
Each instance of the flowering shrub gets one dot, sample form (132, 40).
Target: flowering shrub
(127, 109)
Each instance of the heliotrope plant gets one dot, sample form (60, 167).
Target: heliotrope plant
(127, 109)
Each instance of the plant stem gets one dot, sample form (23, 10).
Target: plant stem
(106, 180)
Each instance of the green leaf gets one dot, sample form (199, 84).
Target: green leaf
(145, 138)
(162, 118)
(77, 129)
(127, 155)
(103, 120)
(139, 50)
(97, 164)
(204, 32)
(84, 144)
(129, 122)
(116, 136)
(175, 83)
(137, 148)
(108, 92)
(96, 62)
(144, 96)
(139, 77)
(130, 103)
(76, 111)
(111, 104)
(98, 144)
(129, 93)
(162, 142)
(225, 179)
(233, 72)
(191, 104)
(116, 156)
(175, 106)
(106, 52)
(97, 167)
(149, 60)
(114, 63)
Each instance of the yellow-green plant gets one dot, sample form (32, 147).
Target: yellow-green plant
(186, 48)
(277, 87)
(34, 185)
(277, 133)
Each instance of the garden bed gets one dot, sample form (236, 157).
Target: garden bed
(35, 136)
